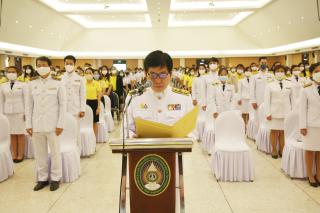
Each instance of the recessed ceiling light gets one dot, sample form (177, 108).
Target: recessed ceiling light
(17, 21)
(42, 30)
(302, 17)
(289, 22)
(30, 26)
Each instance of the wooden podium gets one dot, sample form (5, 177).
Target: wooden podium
(152, 173)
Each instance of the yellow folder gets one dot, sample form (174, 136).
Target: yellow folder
(151, 129)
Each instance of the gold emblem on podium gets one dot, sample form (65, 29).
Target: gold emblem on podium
(152, 175)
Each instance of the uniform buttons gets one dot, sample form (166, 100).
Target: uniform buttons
(159, 111)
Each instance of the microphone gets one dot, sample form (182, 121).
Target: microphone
(140, 89)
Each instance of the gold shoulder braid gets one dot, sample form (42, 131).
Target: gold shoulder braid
(34, 78)
(180, 91)
(307, 85)
(55, 77)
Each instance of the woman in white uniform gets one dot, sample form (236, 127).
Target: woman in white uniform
(309, 121)
(244, 95)
(12, 101)
(278, 102)
(298, 82)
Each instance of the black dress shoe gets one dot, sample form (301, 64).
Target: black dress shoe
(274, 156)
(317, 181)
(15, 160)
(19, 160)
(40, 185)
(54, 185)
(315, 184)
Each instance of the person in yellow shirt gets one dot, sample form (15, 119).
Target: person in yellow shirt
(93, 93)
(27, 73)
(3, 78)
(254, 68)
(190, 81)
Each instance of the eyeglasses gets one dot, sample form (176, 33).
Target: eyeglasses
(160, 75)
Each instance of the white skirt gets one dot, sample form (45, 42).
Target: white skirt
(311, 141)
(276, 124)
(17, 124)
(245, 106)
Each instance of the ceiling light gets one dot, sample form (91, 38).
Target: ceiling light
(228, 22)
(17, 21)
(98, 7)
(218, 5)
(30, 26)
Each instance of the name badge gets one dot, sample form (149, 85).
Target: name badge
(143, 106)
(172, 107)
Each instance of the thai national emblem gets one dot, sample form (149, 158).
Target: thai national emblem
(152, 175)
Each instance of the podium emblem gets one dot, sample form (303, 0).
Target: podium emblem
(152, 175)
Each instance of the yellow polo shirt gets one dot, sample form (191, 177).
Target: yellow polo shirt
(93, 89)
(113, 82)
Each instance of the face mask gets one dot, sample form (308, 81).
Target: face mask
(28, 71)
(121, 74)
(213, 66)
(43, 70)
(96, 76)
(53, 73)
(316, 77)
(247, 74)
(12, 76)
(254, 68)
(288, 73)
(89, 77)
(57, 70)
(202, 71)
(114, 72)
(104, 72)
(223, 78)
(191, 73)
(240, 71)
(263, 66)
(279, 75)
(233, 70)
(301, 68)
(69, 68)
(296, 72)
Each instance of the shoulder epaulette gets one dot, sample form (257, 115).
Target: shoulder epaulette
(57, 78)
(180, 91)
(287, 79)
(34, 78)
(307, 85)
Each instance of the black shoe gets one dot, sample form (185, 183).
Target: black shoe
(317, 181)
(274, 156)
(315, 184)
(15, 160)
(54, 185)
(19, 160)
(40, 185)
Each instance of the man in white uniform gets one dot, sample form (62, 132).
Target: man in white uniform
(75, 86)
(160, 103)
(45, 113)
(258, 83)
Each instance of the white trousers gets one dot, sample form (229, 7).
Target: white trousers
(78, 133)
(41, 142)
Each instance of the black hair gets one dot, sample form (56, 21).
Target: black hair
(314, 66)
(44, 58)
(294, 66)
(158, 59)
(223, 69)
(262, 58)
(214, 60)
(240, 65)
(70, 57)
(253, 64)
(280, 67)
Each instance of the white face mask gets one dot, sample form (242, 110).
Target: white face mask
(223, 78)
(104, 72)
(301, 68)
(213, 66)
(69, 68)
(240, 71)
(316, 77)
(247, 74)
(233, 70)
(28, 71)
(279, 75)
(254, 68)
(43, 70)
(12, 76)
(89, 77)
(114, 72)
(296, 72)
(202, 71)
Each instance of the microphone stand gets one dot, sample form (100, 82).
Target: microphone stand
(122, 199)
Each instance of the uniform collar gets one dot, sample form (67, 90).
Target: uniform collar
(160, 95)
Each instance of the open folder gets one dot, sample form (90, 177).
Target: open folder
(151, 129)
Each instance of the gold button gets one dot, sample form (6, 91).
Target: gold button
(159, 111)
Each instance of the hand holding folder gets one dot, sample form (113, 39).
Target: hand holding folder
(151, 129)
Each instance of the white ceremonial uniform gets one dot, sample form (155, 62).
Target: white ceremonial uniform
(166, 107)
(258, 84)
(45, 111)
(219, 99)
(126, 81)
(210, 78)
(138, 77)
(244, 94)
(309, 117)
(196, 86)
(75, 86)
(297, 86)
(12, 104)
(278, 102)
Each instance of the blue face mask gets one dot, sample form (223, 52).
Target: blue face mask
(263, 66)
(96, 76)
(223, 78)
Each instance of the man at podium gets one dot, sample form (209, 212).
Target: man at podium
(161, 103)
